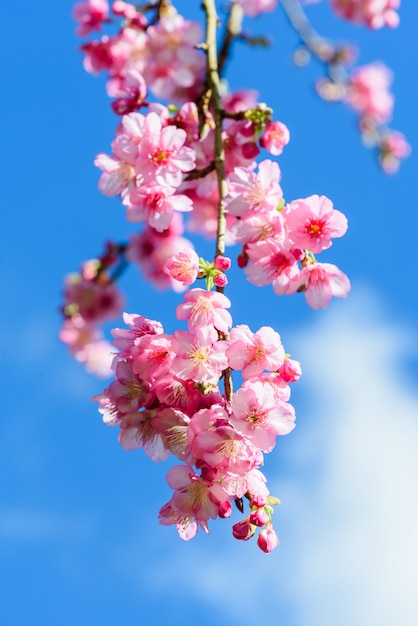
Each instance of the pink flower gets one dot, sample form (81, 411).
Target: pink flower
(200, 358)
(393, 147)
(128, 392)
(137, 432)
(162, 156)
(271, 263)
(139, 326)
(321, 281)
(372, 13)
(256, 414)
(251, 191)
(194, 497)
(312, 223)
(255, 352)
(275, 136)
(92, 300)
(118, 176)
(152, 356)
(186, 525)
(90, 15)
(175, 67)
(97, 358)
(203, 309)
(368, 92)
(156, 203)
(214, 440)
(132, 93)
(183, 266)
(151, 250)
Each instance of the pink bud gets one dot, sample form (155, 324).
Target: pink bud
(243, 530)
(276, 136)
(222, 263)
(250, 150)
(220, 280)
(290, 371)
(267, 539)
(259, 517)
(242, 260)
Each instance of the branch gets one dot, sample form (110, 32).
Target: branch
(213, 82)
(233, 31)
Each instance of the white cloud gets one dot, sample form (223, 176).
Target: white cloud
(358, 558)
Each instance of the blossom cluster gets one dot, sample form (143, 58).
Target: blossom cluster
(166, 399)
(367, 91)
(372, 13)
(91, 298)
(184, 160)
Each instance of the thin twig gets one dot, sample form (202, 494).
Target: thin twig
(233, 31)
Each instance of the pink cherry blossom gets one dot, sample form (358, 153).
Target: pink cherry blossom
(128, 392)
(201, 358)
(90, 15)
(92, 300)
(139, 326)
(214, 440)
(97, 357)
(368, 92)
(271, 263)
(393, 147)
(175, 67)
(162, 155)
(194, 497)
(257, 415)
(313, 222)
(183, 266)
(254, 352)
(254, 191)
(372, 13)
(151, 251)
(152, 356)
(321, 281)
(172, 424)
(137, 431)
(203, 309)
(156, 203)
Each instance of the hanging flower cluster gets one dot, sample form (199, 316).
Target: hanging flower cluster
(167, 399)
(184, 157)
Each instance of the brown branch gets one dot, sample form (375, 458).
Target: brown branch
(233, 31)
(213, 84)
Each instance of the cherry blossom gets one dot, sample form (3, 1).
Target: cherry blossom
(313, 222)
(90, 15)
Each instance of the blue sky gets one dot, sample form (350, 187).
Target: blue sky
(79, 538)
